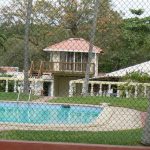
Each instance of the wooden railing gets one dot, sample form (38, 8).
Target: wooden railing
(51, 67)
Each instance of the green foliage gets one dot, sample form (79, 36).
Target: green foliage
(132, 46)
(125, 42)
(5, 75)
(10, 86)
(134, 77)
(3, 83)
(2, 86)
(137, 11)
(137, 77)
(51, 24)
(136, 24)
(128, 87)
(2, 41)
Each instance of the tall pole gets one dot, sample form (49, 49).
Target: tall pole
(92, 37)
(26, 46)
(146, 131)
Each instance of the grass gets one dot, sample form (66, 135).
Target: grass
(129, 137)
(140, 104)
(13, 96)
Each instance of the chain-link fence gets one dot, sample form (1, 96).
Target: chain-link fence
(75, 71)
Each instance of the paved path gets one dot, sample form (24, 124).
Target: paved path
(143, 117)
(44, 99)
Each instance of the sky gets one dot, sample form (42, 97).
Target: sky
(125, 5)
(120, 6)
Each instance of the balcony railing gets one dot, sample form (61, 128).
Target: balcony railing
(58, 67)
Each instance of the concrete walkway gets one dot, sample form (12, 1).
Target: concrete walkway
(44, 99)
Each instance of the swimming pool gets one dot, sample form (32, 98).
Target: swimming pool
(38, 113)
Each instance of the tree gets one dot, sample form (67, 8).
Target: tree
(2, 41)
(26, 46)
(92, 37)
(137, 76)
(74, 14)
(16, 15)
(53, 22)
(136, 38)
(109, 37)
(131, 46)
(137, 12)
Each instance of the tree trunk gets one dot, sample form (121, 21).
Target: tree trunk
(92, 36)
(26, 47)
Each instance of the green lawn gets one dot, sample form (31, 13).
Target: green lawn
(138, 104)
(129, 137)
(13, 96)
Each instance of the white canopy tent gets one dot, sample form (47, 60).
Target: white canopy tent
(143, 68)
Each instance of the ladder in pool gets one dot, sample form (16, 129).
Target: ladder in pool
(19, 92)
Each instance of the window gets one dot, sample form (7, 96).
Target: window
(78, 57)
(67, 59)
(66, 56)
(51, 57)
(70, 56)
(63, 56)
(85, 58)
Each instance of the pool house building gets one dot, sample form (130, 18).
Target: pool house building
(67, 61)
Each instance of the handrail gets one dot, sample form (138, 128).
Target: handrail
(31, 68)
(47, 66)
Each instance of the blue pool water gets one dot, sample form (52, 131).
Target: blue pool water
(47, 113)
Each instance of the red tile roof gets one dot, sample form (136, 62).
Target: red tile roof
(8, 69)
(73, 45)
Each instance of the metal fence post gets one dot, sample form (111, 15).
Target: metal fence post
(146, 131)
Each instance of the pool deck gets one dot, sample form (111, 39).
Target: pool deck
(111, 119)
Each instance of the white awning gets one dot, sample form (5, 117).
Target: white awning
(143, 68)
